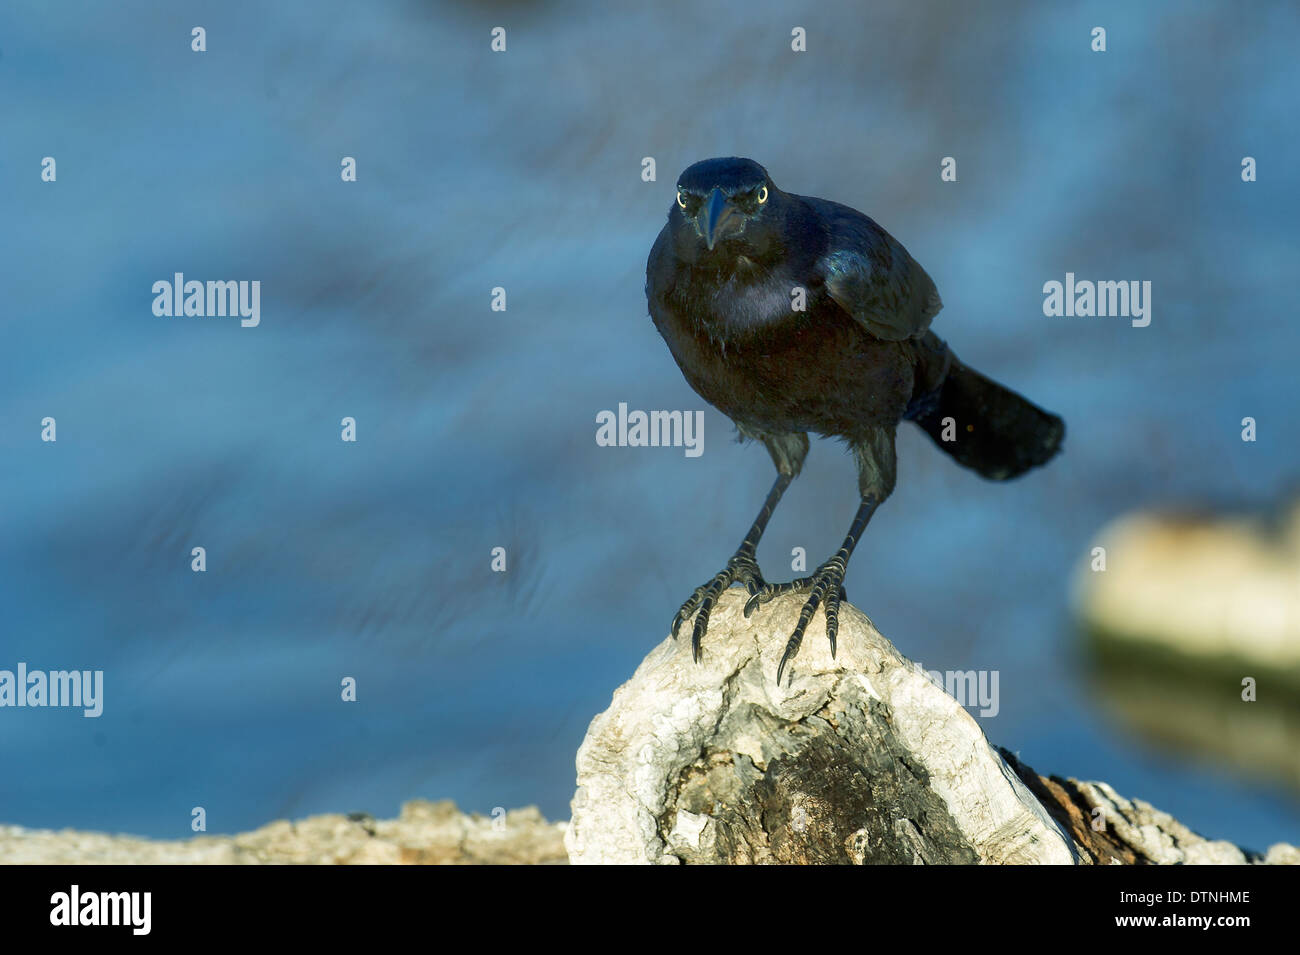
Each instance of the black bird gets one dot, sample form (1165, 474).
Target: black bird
(725, 282)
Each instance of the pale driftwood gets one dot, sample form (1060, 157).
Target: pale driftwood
(426, 833)
(861, 759)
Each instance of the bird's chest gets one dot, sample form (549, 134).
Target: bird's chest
(736, 313)
(738, 310)
(763, 353)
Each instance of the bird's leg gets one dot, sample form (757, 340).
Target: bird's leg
(876, 474)
(788, 452)
(825, 586)
(742, 568)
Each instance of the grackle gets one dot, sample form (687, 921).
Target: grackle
(725, 282)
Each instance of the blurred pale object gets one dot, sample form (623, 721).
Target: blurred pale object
(1186, 610)
(1199, 587)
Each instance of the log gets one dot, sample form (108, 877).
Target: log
(426, 833)
(860, 759)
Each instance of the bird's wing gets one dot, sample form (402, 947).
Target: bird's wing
(872, 277)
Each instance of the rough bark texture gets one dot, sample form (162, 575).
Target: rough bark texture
(1108, 829)
(862, 759)
(426, 833)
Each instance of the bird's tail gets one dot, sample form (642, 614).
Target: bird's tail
(984, 426)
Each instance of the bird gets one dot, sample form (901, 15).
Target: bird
(794, 315)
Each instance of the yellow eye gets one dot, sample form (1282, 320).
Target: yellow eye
(762, 195)
(681, 199)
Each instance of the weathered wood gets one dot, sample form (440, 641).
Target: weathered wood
(861, 759)
(426, 833)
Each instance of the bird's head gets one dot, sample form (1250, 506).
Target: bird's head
(724, 210)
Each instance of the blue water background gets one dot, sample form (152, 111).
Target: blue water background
(476, 428)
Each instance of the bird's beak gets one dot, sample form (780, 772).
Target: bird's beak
(714, 217)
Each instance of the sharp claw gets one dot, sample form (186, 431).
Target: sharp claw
(706, 610)
(791, 649)
(770, 592)
(701, 624)
(740, 569)
(682, 616)
(833, 617)
(827, 592)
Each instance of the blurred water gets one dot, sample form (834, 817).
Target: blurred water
(476, 428)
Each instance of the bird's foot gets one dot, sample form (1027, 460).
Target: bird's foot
(825, 587)
(741, 569)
